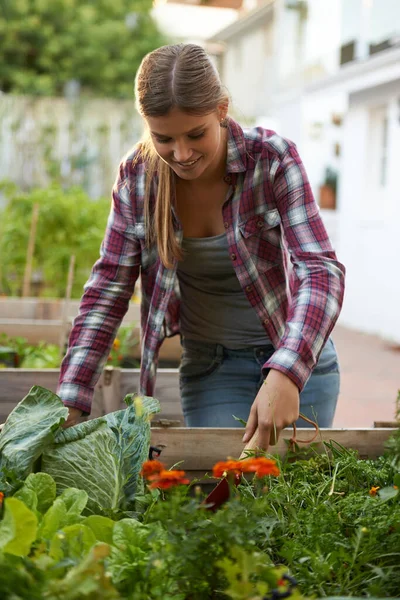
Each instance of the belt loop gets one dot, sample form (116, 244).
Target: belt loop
(219, 352)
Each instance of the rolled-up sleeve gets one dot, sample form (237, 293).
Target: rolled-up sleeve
(105, 300)
(317, 277)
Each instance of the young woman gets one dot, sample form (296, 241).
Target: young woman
(208, 215)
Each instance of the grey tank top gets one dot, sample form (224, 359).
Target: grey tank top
(214, 308)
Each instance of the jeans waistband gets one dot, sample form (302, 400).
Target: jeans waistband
(217, 350)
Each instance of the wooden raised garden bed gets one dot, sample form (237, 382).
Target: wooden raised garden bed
(41, 319)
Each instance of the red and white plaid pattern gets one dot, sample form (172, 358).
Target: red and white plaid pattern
(271, 215)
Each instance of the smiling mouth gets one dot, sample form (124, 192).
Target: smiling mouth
(188, 164)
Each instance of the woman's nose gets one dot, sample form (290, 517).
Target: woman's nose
(182, 153)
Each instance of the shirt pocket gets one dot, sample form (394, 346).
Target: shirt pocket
(262, 237)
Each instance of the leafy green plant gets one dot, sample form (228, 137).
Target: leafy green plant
(101, 457)
(392, 446)
(329, 519)
(28, 356)
(69, 223)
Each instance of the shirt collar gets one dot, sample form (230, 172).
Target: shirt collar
(236, 159)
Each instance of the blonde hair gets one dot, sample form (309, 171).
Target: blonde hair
(181, 76)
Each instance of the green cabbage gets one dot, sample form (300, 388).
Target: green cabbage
(103, 456)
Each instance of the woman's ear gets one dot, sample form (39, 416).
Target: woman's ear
(223, 111)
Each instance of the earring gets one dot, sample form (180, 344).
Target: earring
(223, 123)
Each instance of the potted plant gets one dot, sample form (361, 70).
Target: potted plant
(327, 191)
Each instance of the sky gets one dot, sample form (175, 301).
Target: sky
(193, 23)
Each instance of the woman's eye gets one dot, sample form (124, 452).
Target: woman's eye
(197, 136)
(163, 140)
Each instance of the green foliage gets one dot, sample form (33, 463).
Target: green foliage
(28, 356)
(46, 43)
(69, 223)
(392, 446)
(330, 520)
(16, 352)
(99, 460)
(18, 529)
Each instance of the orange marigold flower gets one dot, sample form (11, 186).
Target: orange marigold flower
(222, 468)
(151, 467)
(116, 344)
(396, 487)
(374, 490)
(1, 498)
(260, 466)
(167, 479)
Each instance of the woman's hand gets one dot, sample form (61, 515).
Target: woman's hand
(276, 406)
(73, 416)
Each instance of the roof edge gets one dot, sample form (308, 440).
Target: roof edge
(242, 23)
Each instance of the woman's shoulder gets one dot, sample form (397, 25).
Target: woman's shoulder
(267, 142)
(132, 163)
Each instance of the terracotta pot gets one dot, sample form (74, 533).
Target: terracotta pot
(327, 197)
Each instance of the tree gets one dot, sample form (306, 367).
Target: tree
(99, 43)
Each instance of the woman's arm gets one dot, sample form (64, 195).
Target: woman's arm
(104, 303)
(317, 278)
(316, 296)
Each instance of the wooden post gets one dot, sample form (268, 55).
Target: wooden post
(26, 288)
(68, 291)
(108, 393)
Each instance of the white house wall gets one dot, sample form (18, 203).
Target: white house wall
(248, 72)
(369, 217)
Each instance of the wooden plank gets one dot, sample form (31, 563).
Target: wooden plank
(33, 330)
(26, 286)
(201, 448)
(198, 449)
(65, 327)
(51, 308)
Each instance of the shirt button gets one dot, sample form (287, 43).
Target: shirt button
(248, 288)
(228, 179)
(233, 256)
(266, 321)
(226, 224)
(260, 224)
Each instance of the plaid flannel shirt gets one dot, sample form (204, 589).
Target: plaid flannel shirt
(271, 215)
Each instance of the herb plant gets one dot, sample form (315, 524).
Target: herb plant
(326, 525)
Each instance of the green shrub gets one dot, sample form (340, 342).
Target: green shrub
(69, 222)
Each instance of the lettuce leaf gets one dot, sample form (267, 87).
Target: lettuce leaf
(18, 528)
(30, 427)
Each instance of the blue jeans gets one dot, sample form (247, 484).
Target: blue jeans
(217, 383)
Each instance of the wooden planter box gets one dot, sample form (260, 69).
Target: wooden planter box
(50, 309)
(198, 448)
(201, 448)
(41, 319)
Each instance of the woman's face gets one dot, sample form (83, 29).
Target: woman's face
(191, 145)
